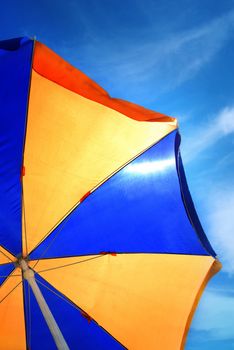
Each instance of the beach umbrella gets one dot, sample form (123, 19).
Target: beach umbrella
(100, 243)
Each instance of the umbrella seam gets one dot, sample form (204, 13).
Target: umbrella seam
(6, 257)
(70, 302)
(66, 217)
(101, 255)
(10, 292)
(23, 150)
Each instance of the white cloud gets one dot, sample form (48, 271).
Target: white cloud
(150, 60)
(221, 226)
(137, 62)
(225, 121)
(217, 198)
(208, 134)
(215, 316)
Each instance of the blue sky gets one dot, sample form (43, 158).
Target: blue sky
(176, 57)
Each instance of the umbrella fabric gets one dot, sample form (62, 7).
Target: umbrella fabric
(93, 196)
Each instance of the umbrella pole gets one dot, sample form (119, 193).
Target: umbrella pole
(49, 318)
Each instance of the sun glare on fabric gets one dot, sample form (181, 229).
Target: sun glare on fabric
(151, 167)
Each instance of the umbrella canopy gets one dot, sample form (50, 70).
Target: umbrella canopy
(95, 214)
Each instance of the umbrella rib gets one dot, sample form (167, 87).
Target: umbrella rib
(5, 256)
(49, 245)
(66, 217)
(68, 301)
(78, 262)
(10, 292)
(24, 216)
(24, 141)
(61, 297)
(10, 276)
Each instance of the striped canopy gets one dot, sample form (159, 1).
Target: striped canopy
(93, 197)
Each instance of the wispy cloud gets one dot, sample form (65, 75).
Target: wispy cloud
(166, 63)
(221, 226)
(208, 134)
(217, 198)
(215, 316)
